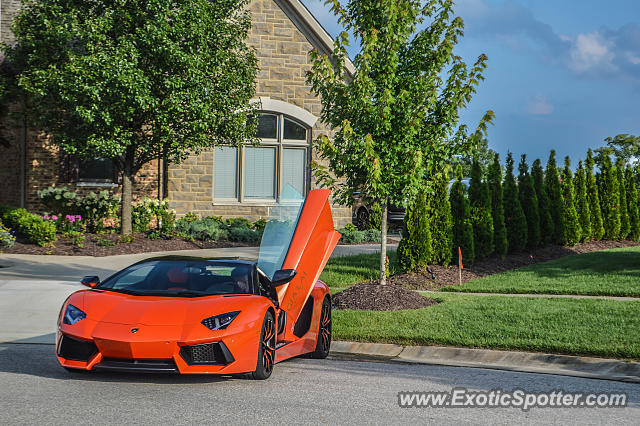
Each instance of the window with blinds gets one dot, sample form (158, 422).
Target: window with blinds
(258, 173)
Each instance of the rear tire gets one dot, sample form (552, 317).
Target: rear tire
(266, 349)
(323, 343)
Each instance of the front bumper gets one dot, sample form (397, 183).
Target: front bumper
(111, 350)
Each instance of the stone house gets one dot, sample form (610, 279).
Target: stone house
(224, 181)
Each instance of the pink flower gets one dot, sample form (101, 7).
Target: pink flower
(54, 217)
(78, 217)
(45, 217)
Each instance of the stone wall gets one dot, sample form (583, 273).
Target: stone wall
(282, 51)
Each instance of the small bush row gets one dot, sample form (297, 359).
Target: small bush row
(33, 227)
(214, 228)
(351, 235)
(6, 238)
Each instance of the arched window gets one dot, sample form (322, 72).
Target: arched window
(259, 173)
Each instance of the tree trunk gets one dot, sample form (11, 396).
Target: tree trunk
(127, 199)
(383, 243)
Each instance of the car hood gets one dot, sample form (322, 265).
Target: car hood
(119, 308)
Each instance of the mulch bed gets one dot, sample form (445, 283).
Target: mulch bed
(371, 296)
(446, 276)
(141, 244)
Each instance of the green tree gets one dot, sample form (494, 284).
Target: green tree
(625, 224)
(461, 214)
(480, 202)
(544, 208)
(440, 221)
(572, 230)
(514, 218)
(609, 199)
(529, 203)
(494, 178)
(556, 203)
(480, 151)
(626, 147)
(136, 81)
(632, 204)
(396, 118)
(414, 250)
(593, 198)
(582, 203)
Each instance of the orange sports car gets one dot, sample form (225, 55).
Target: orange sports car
(194, 315)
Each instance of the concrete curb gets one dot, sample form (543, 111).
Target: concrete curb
(529, 362)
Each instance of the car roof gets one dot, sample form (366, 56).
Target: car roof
(229, 259)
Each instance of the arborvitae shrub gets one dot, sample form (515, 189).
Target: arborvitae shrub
(609, 199)
(494, 179)
(572, 229)
(582, 203)
(440, 222)
(556, 203)
(514, 218)
(529, 203)
(593, 198)
(480, 202)
(414, 250)
(632, 204)
(625, 225)
(461, 214)
(544, 207)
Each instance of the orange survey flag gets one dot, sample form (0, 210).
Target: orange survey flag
(460, 258)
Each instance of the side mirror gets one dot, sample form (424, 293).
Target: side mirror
(283, 276)
(90, 281)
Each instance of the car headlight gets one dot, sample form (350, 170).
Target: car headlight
(220, 322)
(72, 315)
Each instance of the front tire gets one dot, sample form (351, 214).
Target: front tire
(266, 349)
(323, 343)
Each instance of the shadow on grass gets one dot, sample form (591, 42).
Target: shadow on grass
(620, 263)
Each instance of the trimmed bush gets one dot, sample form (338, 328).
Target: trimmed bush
(514, 218)
(494, 178)
(556, 202)
(582, 203)
(632, 204)
(610, 199)
(529, 203)
(440, 221)
(572, 230)
(154, 214)
(58, 200)
(625, 225)
(461, 214)
(32, 226)
(414, 250)
(593, 198)
(95, 208)
(544, 208)
(375, 217)
(480, 202)
(6, 239)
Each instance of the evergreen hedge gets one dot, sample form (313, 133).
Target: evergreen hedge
(494, 178)
(482, 220)
(514, 218)
(572, 230)
(529, 202)
(461, 214)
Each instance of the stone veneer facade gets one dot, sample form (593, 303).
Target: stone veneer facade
(282, 48)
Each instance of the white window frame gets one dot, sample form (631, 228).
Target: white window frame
(280, 144)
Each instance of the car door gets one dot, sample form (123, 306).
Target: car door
(299, 235)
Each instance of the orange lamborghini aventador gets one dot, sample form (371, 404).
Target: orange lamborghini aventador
(192, 315)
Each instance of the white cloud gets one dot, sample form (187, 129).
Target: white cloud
(539, 105)
(592, 52)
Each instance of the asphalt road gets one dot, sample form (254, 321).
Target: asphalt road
(34, 389)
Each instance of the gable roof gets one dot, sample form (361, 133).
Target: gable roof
(310, 27)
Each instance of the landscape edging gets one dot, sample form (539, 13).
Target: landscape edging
(530, 362)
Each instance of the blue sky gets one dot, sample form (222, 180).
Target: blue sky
(562, 74)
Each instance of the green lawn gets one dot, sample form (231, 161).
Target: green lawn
(614, 272)
(342, 272)
(571, 326)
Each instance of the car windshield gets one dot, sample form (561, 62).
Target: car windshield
(186, 278)
(279, 231)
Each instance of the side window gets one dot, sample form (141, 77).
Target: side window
(96, 170)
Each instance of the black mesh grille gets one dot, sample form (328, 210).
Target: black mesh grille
(215, 353)
(76, 350)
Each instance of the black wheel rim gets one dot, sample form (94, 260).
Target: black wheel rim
(325, 327)
(268, 345)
